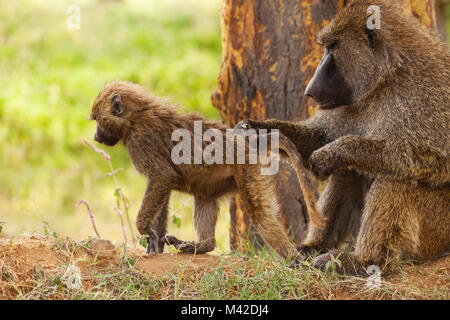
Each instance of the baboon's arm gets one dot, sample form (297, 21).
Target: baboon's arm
(382, 156)
(305, 138)
(155, 200)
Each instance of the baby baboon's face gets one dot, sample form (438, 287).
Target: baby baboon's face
(108, 110)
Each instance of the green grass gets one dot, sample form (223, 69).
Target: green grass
(50, 76)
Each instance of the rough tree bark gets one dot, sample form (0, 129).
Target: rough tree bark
(269, 55)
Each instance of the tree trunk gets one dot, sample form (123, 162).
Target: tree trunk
(269, 56)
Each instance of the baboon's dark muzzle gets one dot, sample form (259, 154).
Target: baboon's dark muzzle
(327, 87)
(102, 136)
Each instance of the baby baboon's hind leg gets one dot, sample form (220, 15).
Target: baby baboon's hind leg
(205, 217)
(260, 195)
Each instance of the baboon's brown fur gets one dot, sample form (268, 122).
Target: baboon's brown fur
(386, 152)
(124, 112)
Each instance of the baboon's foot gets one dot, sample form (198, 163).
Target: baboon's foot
(190, 246)
(155, 244)
(308, 251)
(340, 262)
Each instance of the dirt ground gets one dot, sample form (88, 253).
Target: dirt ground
(23, 258)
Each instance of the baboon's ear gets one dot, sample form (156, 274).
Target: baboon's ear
(116, 104)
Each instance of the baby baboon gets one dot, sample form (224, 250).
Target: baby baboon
(381, 135)
(145, 125)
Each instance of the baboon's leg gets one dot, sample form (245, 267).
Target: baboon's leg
(152, 215)
(413, 224)
(205, 217)
(304, 136)
(434, 212)
(155, 243)
(341, 203)
(399, 222)
(259, 194)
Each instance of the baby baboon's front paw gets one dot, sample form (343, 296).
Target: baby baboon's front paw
(154, 245)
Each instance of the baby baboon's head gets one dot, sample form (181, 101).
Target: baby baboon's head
(115, 109)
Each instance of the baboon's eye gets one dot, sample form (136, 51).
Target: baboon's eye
(332, 45)
(319, 41)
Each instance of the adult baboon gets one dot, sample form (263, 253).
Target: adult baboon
(381, 136)
(145, 125)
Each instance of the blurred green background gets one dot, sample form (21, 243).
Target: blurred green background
(50, 76)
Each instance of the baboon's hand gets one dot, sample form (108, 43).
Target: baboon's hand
(154, 244)
(245, 125)
(308, 251)
(326, 262)
(323, 163)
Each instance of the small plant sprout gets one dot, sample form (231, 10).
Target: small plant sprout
(98, 150)
(124, 230)
(143, 240)
(91, 215)
(120, 197)
(331, 265)
(47, 232)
